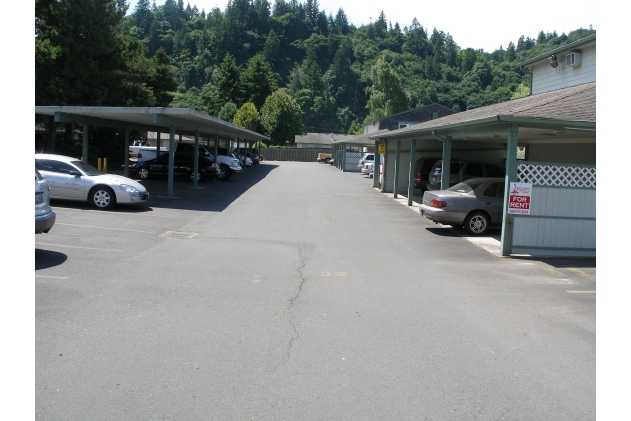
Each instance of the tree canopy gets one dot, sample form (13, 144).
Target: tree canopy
(89, 52)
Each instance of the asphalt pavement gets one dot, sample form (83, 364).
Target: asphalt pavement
(297, 292)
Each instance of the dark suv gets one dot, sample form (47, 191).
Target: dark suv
(422, 168)
(460, 171)
(183, 166)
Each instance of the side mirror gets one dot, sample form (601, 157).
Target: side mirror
(75, 173)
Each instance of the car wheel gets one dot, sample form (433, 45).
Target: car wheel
(103, 197)
(224, 173)
(327, 160)
(200, 176)
(143, 173)
(477, 223)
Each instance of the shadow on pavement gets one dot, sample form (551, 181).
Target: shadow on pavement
(45, 259)
(212, 195)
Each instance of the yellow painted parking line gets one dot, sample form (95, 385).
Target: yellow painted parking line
(555, 272)
(76, 247)
(51, 277)
(582, 273)
(104, 228)
(143, 214)
(582, 292)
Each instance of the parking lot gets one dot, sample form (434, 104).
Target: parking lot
(295, 291)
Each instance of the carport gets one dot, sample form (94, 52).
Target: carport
(347, 160)
(557, 130)
(180, 121)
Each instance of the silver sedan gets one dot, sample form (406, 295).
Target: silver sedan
(477, 204)
(72, 179)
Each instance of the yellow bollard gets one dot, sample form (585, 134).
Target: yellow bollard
(105, 165)
(98, 165)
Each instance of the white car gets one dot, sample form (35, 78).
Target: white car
(44, 215)
(72, 179)
(368, 157)
(366, 168)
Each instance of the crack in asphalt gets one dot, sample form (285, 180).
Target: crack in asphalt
(292, 301)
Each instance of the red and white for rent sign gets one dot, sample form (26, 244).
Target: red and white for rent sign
(519, 198)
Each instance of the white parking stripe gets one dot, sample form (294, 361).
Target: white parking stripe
(76, 247)
(143, 214)
(104, 228)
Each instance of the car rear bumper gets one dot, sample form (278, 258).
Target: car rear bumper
(43, 223)
(441, 216)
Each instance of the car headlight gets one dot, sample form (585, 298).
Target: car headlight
(128, 188)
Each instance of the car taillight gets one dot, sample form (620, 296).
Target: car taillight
(438, 203)
(418, 176)
(139, 155)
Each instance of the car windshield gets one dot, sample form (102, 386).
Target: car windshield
(88, 169)
(466, 186)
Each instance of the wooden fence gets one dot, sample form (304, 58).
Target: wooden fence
(299, 155)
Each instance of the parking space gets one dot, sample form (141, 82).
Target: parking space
(296, 276)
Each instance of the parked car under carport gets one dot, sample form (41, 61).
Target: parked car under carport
(476, 204)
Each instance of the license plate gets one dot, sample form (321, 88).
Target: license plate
(39, 198)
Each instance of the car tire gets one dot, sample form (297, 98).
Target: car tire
(327, 160)
(143, 173)
(477, 223)
(224, 173)
(102, 197)
(200, 176)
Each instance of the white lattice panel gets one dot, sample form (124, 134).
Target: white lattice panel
(354, 154)
(557, 175)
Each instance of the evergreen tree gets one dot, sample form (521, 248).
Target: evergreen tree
(228, 85)
(257, 81)
(80, 52)
(341, 22)
(416, 41)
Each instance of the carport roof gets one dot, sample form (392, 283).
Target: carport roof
(572, 109)
(364, 140)
(185, 120)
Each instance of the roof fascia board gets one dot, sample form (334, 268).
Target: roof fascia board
(546, 55)
(426, 132)
(205, 128)
(542, 123)
(488, 125)
(103, 122)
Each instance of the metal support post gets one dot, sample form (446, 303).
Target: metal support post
(511, 177)
(126, 158)
(196, 159)
(411, 175)
(385, 171)
(446, 170)
(397, 166)
(216, 147)
(84, 148)
(375, 172)
(171, 160)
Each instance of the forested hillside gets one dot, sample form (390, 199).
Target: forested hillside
(327, 75)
